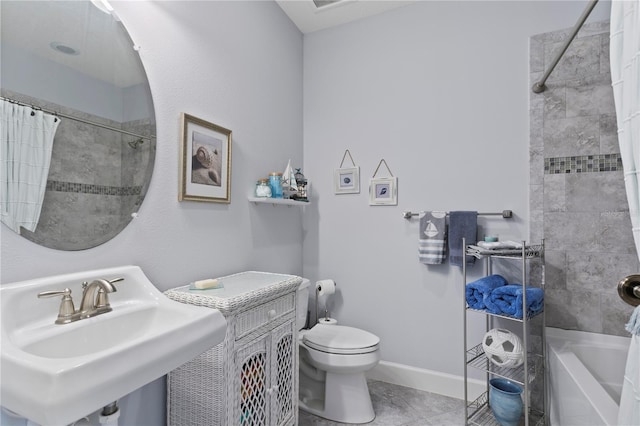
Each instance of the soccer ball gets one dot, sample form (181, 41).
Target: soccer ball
(503, 348)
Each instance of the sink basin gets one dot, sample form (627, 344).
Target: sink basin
(54, 374)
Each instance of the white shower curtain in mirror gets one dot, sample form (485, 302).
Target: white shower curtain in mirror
(625, 78)
(26, 137)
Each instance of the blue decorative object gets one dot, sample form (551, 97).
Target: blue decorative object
(275, 181)
(505, 401)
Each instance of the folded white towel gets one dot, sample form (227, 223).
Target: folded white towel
(499, 245)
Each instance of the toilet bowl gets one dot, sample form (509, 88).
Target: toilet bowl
(333, 360)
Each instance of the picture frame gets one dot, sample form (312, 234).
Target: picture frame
(346, 180)
(383, 191)
(205, 161)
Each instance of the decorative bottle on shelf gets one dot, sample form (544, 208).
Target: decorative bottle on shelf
(301, 195)
(275, 181)
(263, 190)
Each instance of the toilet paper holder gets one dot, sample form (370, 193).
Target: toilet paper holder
(318, 290)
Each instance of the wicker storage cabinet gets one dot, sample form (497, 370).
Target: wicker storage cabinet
(251, 379)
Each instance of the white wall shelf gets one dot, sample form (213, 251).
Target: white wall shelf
(278, 201)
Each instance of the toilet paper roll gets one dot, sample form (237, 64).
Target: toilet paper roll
(325, 287)
(328, 321)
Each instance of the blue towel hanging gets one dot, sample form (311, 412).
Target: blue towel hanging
(462, 224)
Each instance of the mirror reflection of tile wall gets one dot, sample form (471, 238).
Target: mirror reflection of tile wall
(96, 179)
(577, 196)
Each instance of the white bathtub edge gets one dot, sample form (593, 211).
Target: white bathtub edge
(559, 344)
(578, 336)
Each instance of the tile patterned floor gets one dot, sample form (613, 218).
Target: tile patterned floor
(402, 406)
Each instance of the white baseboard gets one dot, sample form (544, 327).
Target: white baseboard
(426, 380)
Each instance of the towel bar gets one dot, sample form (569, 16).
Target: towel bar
(507, 214)
(629, 290)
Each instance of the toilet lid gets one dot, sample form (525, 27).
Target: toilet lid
(340, 339)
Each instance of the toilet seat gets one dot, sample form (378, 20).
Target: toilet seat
(340, 339)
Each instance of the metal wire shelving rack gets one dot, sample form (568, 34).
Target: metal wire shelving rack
(478, 411)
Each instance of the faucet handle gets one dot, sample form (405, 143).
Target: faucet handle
(102, 300)
(85, 284)
(67, 309)
(64, 293)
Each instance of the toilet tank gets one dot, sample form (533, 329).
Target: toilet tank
(303, 303)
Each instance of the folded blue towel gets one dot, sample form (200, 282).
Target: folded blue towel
(461, 224)
(508, 300)
(480, 290)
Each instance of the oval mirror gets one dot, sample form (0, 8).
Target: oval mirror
(75, 60)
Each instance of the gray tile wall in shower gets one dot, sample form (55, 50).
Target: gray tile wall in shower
(137, 163)
(91, 191)
(577, 195)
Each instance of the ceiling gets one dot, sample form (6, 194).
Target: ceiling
(309, 18)
(31, 27)
(105, 49)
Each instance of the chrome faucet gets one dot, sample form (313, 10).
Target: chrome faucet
(95, 300)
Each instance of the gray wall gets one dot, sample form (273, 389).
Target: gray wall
(578, 200)
(441, 91)
(238, 65)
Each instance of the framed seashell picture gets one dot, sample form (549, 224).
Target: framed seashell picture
(346, 180)
(383, 191)
(205, 161)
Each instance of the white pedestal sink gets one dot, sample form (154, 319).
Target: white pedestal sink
(54, 374)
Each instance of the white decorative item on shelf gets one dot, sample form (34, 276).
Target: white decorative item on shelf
(289, 179)
(503, 348)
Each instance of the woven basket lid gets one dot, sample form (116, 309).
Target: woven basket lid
(340, 339)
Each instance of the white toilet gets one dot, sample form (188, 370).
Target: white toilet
(333, 361)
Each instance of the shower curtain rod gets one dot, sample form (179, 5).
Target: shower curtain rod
(507, 214)
(539, 87)
(70, 117)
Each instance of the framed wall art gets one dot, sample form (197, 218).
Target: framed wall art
(383, 191)
(205, 161)
(346, 180)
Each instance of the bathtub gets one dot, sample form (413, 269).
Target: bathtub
(586, 371)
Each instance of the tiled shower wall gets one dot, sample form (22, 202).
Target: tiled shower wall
(577, 196)
(96, 179)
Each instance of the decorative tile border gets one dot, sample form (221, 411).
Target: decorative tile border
(583, 164)
(85, 188)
